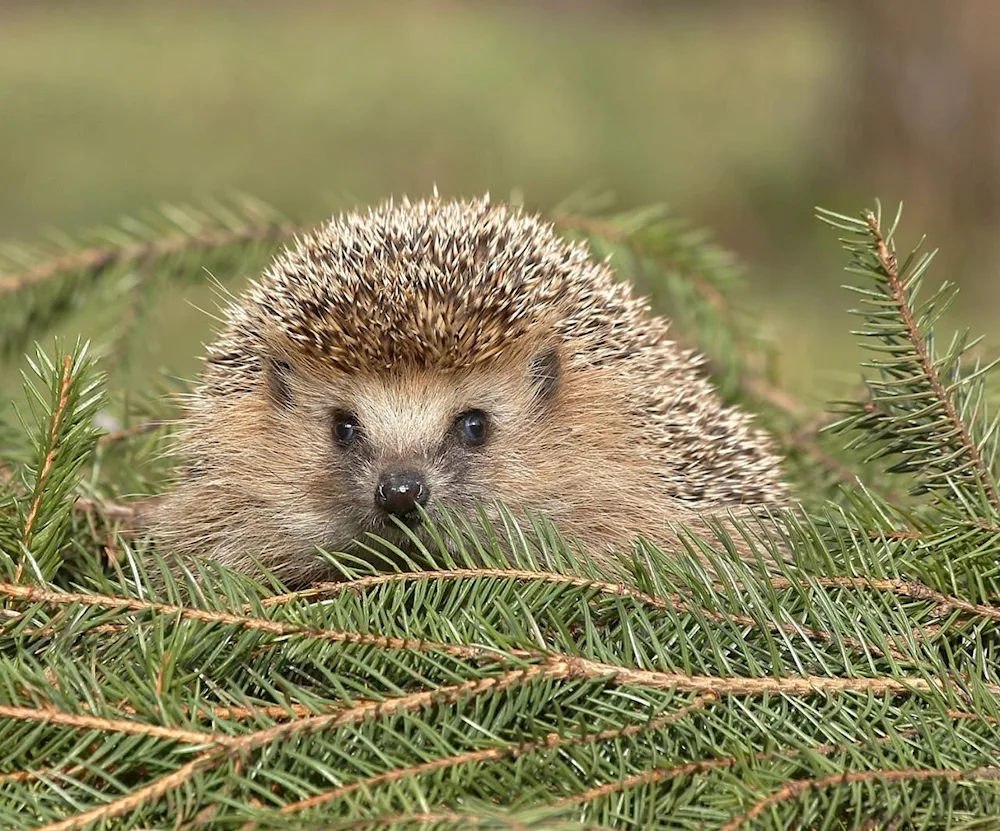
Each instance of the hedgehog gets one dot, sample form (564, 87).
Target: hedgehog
(434, 356)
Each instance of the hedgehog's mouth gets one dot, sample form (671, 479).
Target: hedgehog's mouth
(394, 529)
(415, 537)
(387, 538)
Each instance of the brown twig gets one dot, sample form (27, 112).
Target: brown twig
(271, 711)
(141, 796)
(83, 504)
(556, 665)
(33, 594)
(896, 536)
(21, 776)
(647, 778)
(83, 721)
(361, 584)
(238, 747)
(904, 588)
(655, 775)
(108, 510)
(661, 774)
(130, 432)
(980, 524)
(227, 713)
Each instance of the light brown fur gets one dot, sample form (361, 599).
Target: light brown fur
(629, 438)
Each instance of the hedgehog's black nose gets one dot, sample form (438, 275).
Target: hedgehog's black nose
(400, 493)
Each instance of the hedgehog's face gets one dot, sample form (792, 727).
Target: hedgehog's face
(380, 446)
(580, 407)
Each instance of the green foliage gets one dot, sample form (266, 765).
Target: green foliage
(177, 241)
(63, 399)
(925, 413)
(923, 410)
(845, 677)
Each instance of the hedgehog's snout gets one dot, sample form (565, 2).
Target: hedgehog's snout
(400, 493)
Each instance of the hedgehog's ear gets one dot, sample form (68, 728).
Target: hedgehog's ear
(278, 373)
(545, 371)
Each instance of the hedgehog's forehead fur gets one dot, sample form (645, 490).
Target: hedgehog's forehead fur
(433, 284)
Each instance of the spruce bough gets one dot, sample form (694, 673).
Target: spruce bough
(853, 685)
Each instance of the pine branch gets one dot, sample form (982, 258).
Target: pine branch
(258, 224)
(674, 602)
(707, 695)
(63, 440)
(550, 740)
(41, 285)
(794, 789)
(41, 482)
(925, 410)
(550, 665)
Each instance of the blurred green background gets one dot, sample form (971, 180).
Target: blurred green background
(740, 116)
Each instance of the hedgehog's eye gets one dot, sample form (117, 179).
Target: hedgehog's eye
(345, 428)
(472, 426)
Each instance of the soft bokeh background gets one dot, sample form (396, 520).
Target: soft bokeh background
(740, 116)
